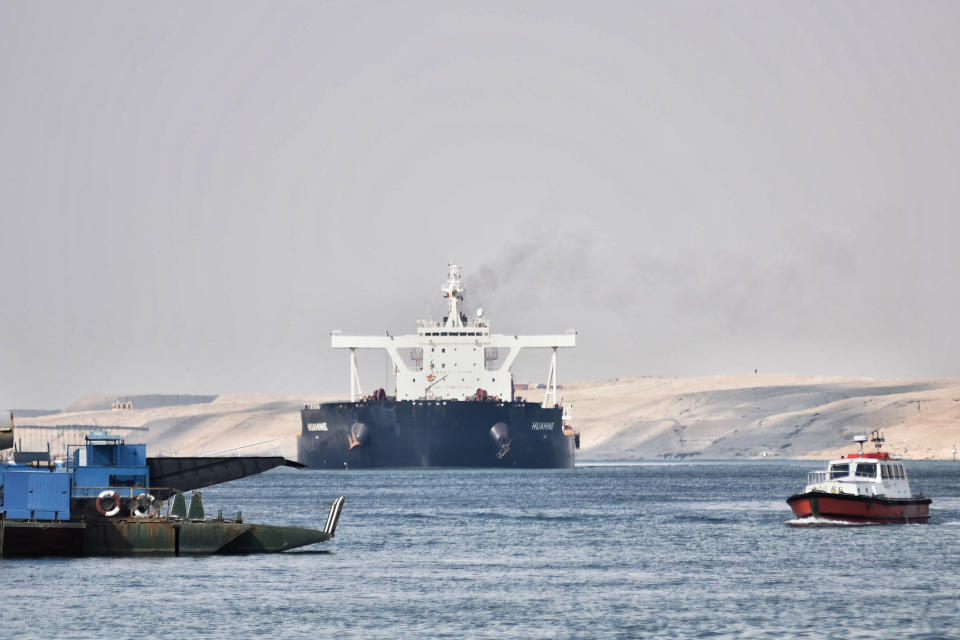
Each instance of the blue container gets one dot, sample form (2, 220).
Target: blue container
(29, 494)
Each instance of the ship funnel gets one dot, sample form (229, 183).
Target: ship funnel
(6, 435)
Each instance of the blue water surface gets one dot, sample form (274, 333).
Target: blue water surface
(659, 550)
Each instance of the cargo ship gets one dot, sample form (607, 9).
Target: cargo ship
(863, 488)
(454, 406)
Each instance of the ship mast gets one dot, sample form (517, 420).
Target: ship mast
(453, 291)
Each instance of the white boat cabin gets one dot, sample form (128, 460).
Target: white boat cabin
(861, 477)
(863, 474)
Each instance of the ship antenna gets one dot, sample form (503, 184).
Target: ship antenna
(453, 291)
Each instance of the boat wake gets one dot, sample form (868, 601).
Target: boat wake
(813, 521)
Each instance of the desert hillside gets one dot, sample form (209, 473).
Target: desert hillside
(757, 415)
(624, 419)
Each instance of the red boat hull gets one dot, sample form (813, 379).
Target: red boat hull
(864, 509)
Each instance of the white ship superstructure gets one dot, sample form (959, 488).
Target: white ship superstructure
(454, 358)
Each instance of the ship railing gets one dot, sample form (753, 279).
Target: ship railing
(438, 325)
(94, 491)
(817, 477)
(123, 492)
(136, 501)
(427, 324)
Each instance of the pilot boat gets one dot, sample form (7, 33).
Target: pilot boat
(863, 488)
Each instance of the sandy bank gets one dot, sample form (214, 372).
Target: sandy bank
(745, 416)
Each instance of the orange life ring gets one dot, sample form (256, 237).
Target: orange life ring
(105, 495)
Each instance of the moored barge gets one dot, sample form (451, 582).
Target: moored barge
(102, 501)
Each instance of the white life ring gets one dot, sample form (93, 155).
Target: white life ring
(111, 495)
(147, 506)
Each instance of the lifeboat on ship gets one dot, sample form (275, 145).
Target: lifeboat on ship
(862, 488)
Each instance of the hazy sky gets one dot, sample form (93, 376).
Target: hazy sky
(194, 194)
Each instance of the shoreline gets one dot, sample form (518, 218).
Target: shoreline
(652, 419)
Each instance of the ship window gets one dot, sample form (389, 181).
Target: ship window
(443, 350)
(444, 365)
(839, 471)
(127, 481)
(494, 357)
(868, 470)
(900, 473)
(885, 471)
(412, 359)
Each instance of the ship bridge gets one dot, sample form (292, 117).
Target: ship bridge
(453, 357)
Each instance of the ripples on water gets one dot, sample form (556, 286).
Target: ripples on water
(682, 550)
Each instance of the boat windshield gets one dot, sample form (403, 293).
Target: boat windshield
(867, 470)
(839, 471)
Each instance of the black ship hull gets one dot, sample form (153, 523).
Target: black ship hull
(434, 433)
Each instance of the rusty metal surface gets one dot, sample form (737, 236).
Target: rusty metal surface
(177, 537)
(26, 538)
(260, 538)
(208, 537)
(130, 537)
(126, 536)
(41, 524)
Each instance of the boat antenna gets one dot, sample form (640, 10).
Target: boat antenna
(860, 440)
(877, 438)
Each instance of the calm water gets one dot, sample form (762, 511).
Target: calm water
(649, 550)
